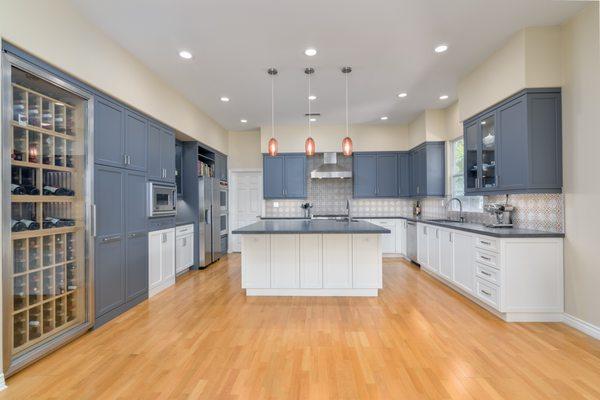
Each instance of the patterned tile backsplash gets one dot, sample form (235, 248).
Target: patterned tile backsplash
(329, 196)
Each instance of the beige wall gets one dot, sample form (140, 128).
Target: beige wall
(329, 138)
(56, 33)
(244, 150)
(530, 58)
(454, 127)
(581, 139)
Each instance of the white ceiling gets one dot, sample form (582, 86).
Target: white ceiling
(389, 44)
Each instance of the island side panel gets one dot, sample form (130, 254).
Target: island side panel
(311, 261)
(256, 261)
(285, 262)
(337, 261)
(366, 261)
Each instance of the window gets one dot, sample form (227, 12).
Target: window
(457, 180)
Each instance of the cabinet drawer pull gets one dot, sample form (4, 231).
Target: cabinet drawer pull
(485, 292)
(485, 258)
(111, 239)
(486, 243)
(485, 273)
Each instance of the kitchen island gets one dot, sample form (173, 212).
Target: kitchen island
(311, 258)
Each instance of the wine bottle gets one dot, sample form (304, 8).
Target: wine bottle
(17, 189)
(30, 225)
(50, 222)
(68, 222)
(17, 226)
(57, 191)
(31, 190)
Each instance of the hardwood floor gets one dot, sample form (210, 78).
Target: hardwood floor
(204, 339)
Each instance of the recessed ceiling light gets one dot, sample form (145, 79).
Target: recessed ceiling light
(312, 97)
(383, 118)
(403, 94)
(185, 54)
(441, 48)
(243, 121)
(310, 52)
(224, 99)
(443, 97)
(313, 120)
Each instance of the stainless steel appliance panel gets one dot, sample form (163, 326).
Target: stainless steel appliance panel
(216, 222)
(205, 252)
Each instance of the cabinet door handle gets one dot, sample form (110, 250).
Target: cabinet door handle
(486, 243)
(486, 292)
(450, 237)
(128, 159)
(485, 258)
(486, 273)
(164, 238)
(94, 223)
(437, 233)
(111, 239)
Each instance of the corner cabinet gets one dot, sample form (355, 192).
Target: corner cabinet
(516, 145)
(428, 169)
(284, 176)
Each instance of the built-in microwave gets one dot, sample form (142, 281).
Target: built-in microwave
(162, 199)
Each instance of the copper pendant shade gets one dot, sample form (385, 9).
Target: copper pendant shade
(273, 145)
(347, 146)
(310, 147)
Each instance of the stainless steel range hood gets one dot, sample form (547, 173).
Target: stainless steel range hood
(330, 169)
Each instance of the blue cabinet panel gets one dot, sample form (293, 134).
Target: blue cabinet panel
(295, 176)
(155, 171)
(108, 133)
(136, 136)
(273, 177)
(364, 173)
(512, 145)
(167, 151)
(387, 175)
(404, 172)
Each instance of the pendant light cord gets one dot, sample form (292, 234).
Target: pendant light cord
(347, 132)
(272, 106)
(309, 116)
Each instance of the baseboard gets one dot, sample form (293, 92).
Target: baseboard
(350, 292)
(2, 382)
(582, 326)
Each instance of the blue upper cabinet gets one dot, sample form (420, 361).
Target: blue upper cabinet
(284, 176)
(364, 174)
(161, 154)
(221, 167)
(428, 170)
(516, 145)
(404, 172)
(109, 133)
(387, 175)
(136, 137)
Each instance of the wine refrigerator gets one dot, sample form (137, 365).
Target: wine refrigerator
(46, 211)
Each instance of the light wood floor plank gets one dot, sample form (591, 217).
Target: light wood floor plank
(204, 339)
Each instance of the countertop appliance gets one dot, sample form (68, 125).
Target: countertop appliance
(162, 199)
(503, 214)
(209, 246)
(411, 241)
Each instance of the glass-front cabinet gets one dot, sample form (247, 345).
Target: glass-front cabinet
(481, 154)
(46, 201)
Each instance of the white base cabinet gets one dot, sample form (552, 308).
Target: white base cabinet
(184, 248)
(393, 243)
(161, 260)
(519, 279)
(312, 264)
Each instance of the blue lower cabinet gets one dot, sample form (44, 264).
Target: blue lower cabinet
(284, 176)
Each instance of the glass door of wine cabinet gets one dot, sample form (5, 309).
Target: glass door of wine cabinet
(46, 203)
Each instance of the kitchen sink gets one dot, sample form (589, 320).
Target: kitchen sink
(445, 220)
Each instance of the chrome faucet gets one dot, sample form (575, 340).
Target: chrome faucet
(460, 214)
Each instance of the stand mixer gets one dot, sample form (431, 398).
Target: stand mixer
(503, 213)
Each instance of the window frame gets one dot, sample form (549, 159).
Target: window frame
(469, 203)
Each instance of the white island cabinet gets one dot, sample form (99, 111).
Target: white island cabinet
(311, 258)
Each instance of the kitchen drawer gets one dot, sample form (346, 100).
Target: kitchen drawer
(488, 273)
(487, 258)
(155, 224)
(487, 292)
(487, 243)
(184, 229)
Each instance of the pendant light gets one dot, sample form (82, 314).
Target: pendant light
(347, 141)
(272, 145)
(309, 145)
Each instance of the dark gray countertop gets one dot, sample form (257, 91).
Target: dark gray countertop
(180, 223)
(309, 226)
(464, 226)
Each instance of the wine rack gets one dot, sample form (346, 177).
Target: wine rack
(48, 212)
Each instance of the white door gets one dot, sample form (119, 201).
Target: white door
(464, 268)
(433, 248)
(446, 254)
(168, 255)
(245, 200)
(154, 260)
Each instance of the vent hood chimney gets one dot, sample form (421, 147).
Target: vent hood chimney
(330, 169)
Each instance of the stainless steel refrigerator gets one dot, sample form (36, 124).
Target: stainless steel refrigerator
(209, 223)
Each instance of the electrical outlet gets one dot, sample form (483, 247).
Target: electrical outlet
(275, 204)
